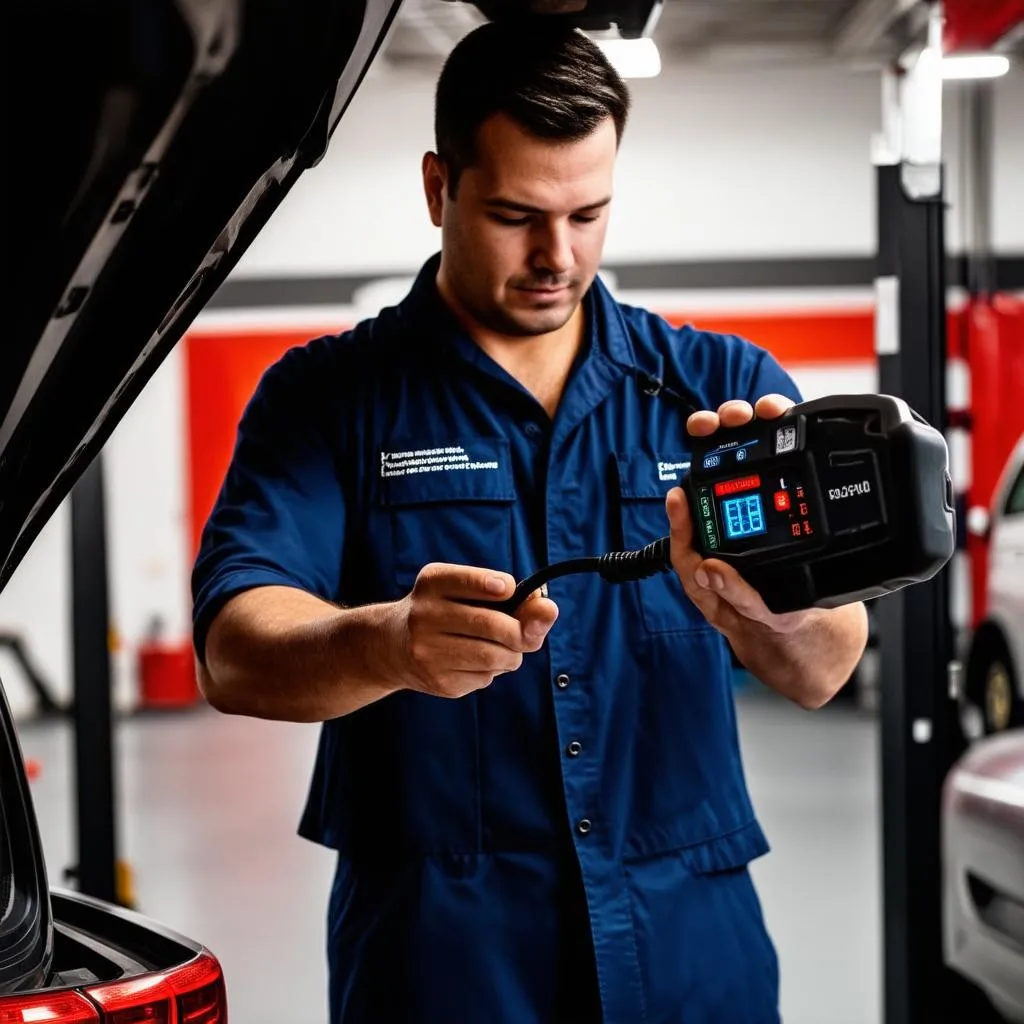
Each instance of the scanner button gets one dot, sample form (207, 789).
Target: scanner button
(781, 501)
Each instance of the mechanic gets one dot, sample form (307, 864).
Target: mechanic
(540, 817)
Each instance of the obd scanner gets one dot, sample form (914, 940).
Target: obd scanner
(842, 499)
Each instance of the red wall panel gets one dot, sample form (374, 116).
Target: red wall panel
(995, 338)
(222, 371)
(978, 24)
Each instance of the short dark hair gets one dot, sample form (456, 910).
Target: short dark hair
(547, 76)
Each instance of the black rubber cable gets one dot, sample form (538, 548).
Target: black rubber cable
(613, 567)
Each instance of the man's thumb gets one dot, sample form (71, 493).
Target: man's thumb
(680, 523)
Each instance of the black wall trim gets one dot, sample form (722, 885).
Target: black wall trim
(801, 272)
(1009, 273)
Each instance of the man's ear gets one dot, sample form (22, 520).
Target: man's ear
(435, 184)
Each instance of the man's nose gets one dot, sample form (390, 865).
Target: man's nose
(554, 253)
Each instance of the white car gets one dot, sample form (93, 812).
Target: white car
(983, 794)
(995, 661)
(983, 871)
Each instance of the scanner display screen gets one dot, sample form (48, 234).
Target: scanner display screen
(744, 516)
(757, 510)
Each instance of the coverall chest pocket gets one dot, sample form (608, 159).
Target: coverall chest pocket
(644, 481)
(448, 503)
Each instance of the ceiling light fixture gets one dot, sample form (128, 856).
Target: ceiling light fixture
(974, 65)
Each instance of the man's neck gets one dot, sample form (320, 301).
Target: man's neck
(541, 363)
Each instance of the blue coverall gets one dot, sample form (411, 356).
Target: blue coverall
(570, 843)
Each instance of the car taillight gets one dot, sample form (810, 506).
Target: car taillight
(47, 1008)
(191, 994)
(145, 1000)
(199, 987)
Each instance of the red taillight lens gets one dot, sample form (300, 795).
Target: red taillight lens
(191, 994)
(145, 1000)
(47, 1008)
(199, 986)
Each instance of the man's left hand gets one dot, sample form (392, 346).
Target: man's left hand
(727, 601)
(805, 655)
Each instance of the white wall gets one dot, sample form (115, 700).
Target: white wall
(1008, 187)
(714, 164)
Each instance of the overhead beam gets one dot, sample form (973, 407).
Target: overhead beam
(867, 23)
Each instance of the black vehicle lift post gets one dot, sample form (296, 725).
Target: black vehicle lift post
(96, 872)
(921, 733)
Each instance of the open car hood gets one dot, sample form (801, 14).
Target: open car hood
(153, 141)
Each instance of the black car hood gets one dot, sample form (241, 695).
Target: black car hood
(149, 143)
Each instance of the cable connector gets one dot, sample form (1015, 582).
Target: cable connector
(613, 567)
(624, 566)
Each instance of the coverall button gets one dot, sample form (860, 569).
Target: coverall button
(584, 825)
(574, 748)
(532, 430)
(561, 680)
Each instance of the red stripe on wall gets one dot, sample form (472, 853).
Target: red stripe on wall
(827, 336)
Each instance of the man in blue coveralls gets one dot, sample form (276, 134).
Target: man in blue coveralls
(539, 817)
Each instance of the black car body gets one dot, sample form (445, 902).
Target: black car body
(153, 140)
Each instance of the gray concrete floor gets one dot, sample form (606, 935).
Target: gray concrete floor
(209, 804)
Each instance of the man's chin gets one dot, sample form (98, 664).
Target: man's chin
(537, 319)
(535, 324)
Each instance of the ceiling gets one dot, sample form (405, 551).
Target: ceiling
(856, 32)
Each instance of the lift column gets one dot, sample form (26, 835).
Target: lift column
(95, 804)
(921, 735)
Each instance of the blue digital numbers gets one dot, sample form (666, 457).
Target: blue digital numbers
(743, 516)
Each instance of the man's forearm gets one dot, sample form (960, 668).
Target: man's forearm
(810, 664)
(279, 653)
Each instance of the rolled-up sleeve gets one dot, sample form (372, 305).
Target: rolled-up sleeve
(279, 518)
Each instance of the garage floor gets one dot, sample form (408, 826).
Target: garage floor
(209, 807)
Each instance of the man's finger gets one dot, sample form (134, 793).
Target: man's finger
(719, 578)
(700, 424)
(536, 617)
(466, 582)
(477, 621)
(770, 406)
(735, 413)
(679, 521)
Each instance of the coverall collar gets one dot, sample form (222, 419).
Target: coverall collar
(606, 354)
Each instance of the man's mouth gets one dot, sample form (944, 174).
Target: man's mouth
(544, 289)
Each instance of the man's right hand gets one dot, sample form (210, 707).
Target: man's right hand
(448, 643)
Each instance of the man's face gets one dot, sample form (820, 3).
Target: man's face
(522, 240)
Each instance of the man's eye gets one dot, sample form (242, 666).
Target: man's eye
(511, 221)
(580, 219)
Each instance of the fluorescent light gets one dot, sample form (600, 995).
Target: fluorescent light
(980, 65)
(632, 58)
